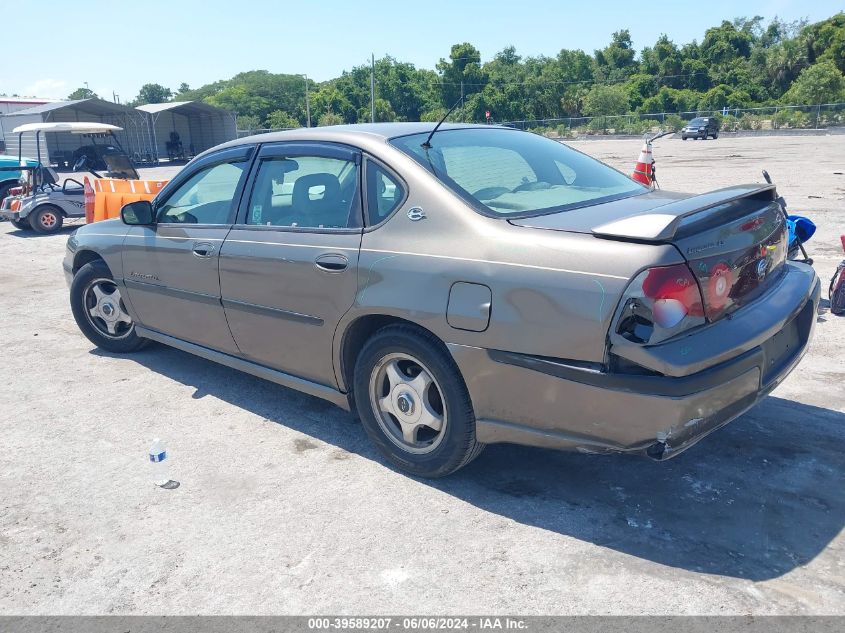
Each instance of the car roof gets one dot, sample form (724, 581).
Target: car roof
(348, 133)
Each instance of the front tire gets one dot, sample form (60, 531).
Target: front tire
(100, 312)
(413, 402)
(46, 219)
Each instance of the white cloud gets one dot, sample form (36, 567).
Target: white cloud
(47, 88)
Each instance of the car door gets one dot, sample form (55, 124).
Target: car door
(288, 268)
(171, 268)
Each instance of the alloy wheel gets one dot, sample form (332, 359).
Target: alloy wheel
(105, 309)
(408, 403)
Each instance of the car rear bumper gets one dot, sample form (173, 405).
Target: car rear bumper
(542, 402)
(7, 214)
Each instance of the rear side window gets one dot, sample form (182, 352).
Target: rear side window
(305, 192)
(384, 193)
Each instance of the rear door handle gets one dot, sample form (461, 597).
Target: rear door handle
(203, 249)
(332, 262)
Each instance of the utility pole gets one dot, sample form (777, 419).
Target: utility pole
(462, 100)
(307, 102)
(372, 88)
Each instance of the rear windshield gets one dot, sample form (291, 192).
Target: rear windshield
(510, 173)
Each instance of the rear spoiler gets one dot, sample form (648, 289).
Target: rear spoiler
(662, 223)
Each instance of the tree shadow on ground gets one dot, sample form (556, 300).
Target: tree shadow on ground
(755, 500)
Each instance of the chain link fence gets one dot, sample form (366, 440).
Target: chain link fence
(262, 130)
(762, 120)
(750, 120)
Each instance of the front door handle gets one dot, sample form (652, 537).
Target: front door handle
(203, 249)
(332, 262)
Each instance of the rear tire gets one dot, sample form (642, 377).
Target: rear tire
(413, 402)
(46, 219)
(22, 225)
(100, 312)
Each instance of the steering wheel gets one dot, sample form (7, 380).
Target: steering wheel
(79, 164)
(532, 186)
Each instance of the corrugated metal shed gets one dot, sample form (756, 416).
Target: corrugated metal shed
(12, 104)
(134, 138)
(198, 125)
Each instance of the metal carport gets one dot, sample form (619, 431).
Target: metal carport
(199, 125)
(134, 137)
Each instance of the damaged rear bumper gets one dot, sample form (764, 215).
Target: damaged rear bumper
(536, 401)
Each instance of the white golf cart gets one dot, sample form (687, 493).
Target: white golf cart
(40, 203)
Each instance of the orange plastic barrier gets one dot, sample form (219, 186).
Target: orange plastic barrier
(89, 200)
(110, 194)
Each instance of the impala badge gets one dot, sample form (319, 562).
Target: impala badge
(415, 214)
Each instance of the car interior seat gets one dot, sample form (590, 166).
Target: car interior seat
(327, 210)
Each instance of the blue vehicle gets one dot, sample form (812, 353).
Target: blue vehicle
(9, 179)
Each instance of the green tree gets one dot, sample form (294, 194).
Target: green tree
(384, 111)
(820, 83)
(462, 68)
(724, 44)
(248, 122)
(82, 93)
(737, 64)
(279, 119)
(152, 93)
(723, 96)
(640, 87)
(825, 40)
(616, 61)
(606, 100)
(783, 63)
(329, 118)
(671, 100)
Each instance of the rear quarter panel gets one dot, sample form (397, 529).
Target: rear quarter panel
(553, 292)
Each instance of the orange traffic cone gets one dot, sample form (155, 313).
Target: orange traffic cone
(644, 171)
(89, 200)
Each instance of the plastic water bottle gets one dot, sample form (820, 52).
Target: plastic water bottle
(158, 463)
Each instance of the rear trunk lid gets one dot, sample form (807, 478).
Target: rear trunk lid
(734, 240)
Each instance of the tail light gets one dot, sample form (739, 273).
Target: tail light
(660, 303)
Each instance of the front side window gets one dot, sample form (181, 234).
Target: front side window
(305, 192)
(206, 197)
(505, 172)
(384, 193)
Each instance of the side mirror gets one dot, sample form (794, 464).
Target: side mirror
(138, 213)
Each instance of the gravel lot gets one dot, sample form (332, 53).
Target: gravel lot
(284, 508)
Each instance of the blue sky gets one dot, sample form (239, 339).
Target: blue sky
(118, 46)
